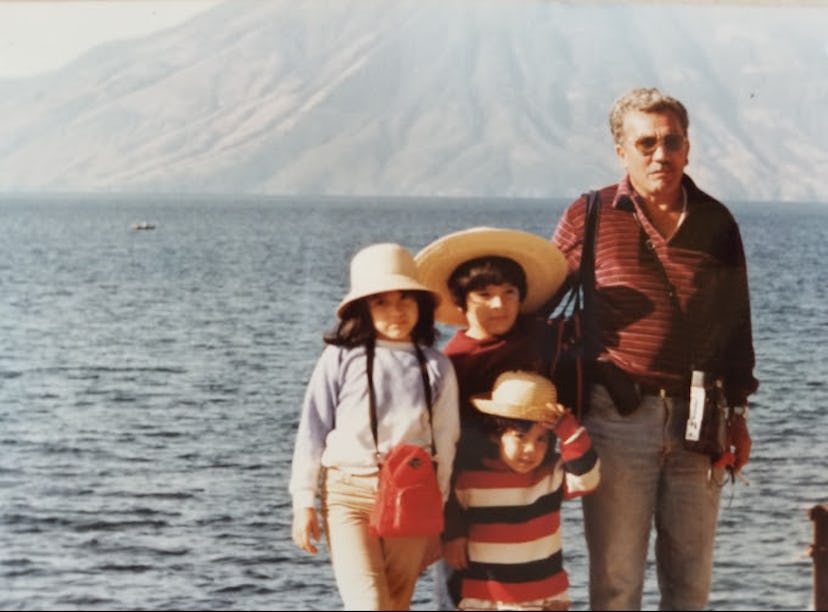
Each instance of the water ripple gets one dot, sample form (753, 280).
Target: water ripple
(150, 390)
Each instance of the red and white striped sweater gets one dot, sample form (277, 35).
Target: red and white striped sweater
(512, 521)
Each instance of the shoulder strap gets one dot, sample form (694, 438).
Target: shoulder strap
(649, 247)
(587, 269)
(583, 281)
(372, 400)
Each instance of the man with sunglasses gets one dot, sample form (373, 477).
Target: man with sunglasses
(670, 297)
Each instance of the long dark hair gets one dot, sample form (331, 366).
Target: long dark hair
(356, 327)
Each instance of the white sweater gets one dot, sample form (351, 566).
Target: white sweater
(335, 427)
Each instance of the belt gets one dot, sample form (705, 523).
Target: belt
(679, 391)
(623, 387)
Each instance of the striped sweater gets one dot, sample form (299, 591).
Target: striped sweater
(512, 521)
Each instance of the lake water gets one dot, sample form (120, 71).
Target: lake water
(151, 381)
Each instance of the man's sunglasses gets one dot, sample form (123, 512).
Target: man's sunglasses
(646, 145)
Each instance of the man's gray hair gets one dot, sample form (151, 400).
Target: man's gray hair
(646, 100)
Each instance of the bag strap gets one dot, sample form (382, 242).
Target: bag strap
(583, 281)
(648, 246)
(587, 267)
(372, 400)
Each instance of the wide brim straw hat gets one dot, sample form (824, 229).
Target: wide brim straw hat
(382, 267)
(519, 395)
(543, 264)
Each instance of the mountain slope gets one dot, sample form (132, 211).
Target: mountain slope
(420, 97)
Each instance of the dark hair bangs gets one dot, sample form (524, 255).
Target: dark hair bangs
(479, 273)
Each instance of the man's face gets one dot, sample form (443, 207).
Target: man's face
(492, 311)
(654, 152)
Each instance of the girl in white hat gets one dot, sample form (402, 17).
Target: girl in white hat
(385, 332)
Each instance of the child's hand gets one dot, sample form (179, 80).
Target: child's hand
(559, 411)
(454, 553)
(306, 529)
(432, 553)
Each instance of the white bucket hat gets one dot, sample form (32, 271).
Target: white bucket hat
(543, 264)
(382, 267)
(519, 394)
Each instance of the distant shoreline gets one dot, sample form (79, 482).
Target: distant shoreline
(369, 200)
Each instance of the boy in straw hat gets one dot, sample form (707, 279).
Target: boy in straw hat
(490, 281)
(385, 331)
(506, 542)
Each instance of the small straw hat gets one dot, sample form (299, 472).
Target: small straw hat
(519, 395)
(543, 264)
(382, 267)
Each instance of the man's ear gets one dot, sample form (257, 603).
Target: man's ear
(622, 155)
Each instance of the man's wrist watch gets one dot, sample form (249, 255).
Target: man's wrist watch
(739, 411)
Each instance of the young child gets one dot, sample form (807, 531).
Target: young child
(491, 281)
(505, 540)
(390, 313)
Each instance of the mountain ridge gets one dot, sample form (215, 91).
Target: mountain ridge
(365, 97)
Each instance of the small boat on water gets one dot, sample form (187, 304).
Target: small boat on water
(143, 226)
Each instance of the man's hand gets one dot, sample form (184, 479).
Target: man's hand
(738, 445)
(739, 438)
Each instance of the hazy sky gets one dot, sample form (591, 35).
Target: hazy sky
(37, 35)
(42, 35)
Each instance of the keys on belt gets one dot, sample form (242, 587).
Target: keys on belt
(677, 392)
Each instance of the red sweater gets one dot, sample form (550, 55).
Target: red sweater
(478, 363)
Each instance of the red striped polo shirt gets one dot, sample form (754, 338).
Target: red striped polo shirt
(636, 324)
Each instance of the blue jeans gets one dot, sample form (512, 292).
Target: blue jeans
(648, 479)
(441, 574)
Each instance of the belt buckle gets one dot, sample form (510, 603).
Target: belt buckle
(660, 392)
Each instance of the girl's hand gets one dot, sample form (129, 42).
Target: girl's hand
(558, 411)
(454, 553)
(306, 529)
